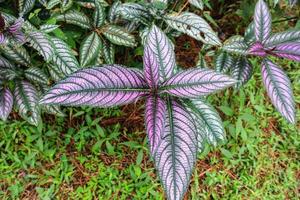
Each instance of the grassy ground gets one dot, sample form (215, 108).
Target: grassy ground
(102, 153)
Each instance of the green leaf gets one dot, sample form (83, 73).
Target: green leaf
(42, 43)
(119, 36)
(197, 3)
(194, 26)
(64, 58)
(89, 49)
(27, 102)
(236, 44)
(25, 6)
(36, 75)
(48, 28)
(209, 124)
(242, 71)
(224, 62)
(52, 3)
(108, 52)
(66, 4)
(76, 18)
(99, 14)
(17, 54)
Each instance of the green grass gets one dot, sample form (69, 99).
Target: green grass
(102, 153)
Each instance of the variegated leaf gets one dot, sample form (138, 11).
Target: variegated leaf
(113, 12)
(194, 83)
(36, 75)
(55, 72)
(242, 71)
(236, 44)
(118, 36)
(209, 124)
(103, 86)
(64, 58)
(50, 109)
(9, 73)
(197, 3)
(48, 28)
(4, 63)
(90, 3)
(52, 3)
(108, 52)
(17, 54)
(262, 21)
(279, 89)
(43, 2)
(194, 26)
(159, 57)
(25, 6)
(249, 34)
(290, 51)
(76, 18)
(42, 43)
(134, 12)
(224, 62)
(27, 102)
(89, 49)
(281, 38)
(176, 155)
(155, 117)
(66, 4)
(99, 14)
(6, 103)
(159, 4)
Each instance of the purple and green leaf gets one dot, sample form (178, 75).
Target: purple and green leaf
(26, 97)
(209, 124)
(242, 71)
(155, 117)
(194, 83)
(6, 103)
(107, 85)
(262, 21)
(159, 57)
(279, 89)
(290, 51)
(176, 155)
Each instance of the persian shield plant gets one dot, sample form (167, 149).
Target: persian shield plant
(178, 121)
(261, 42)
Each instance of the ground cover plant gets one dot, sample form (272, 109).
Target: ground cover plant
(57, 53)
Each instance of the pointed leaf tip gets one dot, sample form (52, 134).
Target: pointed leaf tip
(279, 89)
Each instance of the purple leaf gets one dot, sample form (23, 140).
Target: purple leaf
(16, 27)
(110, 85)
(2, 38)
(288, 50)
(151, 68)
(176, 154)
(159, 58)
(155, 116)
(278, 87)
(262, 21)
(257, 49)
(6, 103)
(196, 82)
(282, 37)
